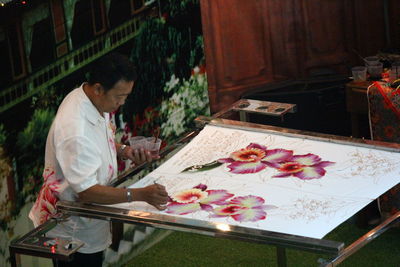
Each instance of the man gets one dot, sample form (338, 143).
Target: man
(81, 159)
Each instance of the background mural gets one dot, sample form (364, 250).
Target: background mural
(46, 47)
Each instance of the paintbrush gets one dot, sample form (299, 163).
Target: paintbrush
(156, 134)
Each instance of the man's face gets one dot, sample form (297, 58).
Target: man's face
(115, 97)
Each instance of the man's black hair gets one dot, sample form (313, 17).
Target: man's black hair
(110, 69)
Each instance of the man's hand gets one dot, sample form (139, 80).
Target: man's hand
(154, 194)
(137, 156)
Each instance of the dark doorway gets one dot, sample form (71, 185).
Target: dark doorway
(82, 28)
(5, 70)
(43, 43)
(120, 12)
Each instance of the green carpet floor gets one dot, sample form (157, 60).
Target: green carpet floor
(185, 249)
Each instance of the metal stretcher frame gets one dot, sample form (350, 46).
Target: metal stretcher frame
(336, 251)
(24, 245)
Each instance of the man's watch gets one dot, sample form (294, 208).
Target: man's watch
(129, 197)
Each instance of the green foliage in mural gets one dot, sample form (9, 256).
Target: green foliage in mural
(152, 59)
(189, 100)
(28, 152)
(180, 8)
(5, 172)
(30, 148)
(3, 135)
(165, 46)
(48, 99)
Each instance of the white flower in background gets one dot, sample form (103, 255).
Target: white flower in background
(196, 70)
(176, 98)
(171, 84)
(189, 100)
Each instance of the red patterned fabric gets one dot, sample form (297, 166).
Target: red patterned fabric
(384, 117)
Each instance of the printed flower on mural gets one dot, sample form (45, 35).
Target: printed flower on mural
(196, 199)
(244, 209)
(305, 167)
(255, 158)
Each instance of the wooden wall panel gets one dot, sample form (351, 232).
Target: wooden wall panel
(324, 27)
(282, 19)
(394, 20)
(237, 47)
(369, 26)
(240, 32)
(249, 44)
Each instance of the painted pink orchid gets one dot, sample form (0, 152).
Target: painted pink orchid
(255, 158)
(305, 167)
(244, 209)
(196, 199)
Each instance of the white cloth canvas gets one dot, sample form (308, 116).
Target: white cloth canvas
(310, 208)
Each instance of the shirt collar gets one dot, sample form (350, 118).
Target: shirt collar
(91, 112)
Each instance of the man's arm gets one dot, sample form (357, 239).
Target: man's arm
(153, 194)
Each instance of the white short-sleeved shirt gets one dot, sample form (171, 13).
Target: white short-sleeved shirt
(80, 153)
